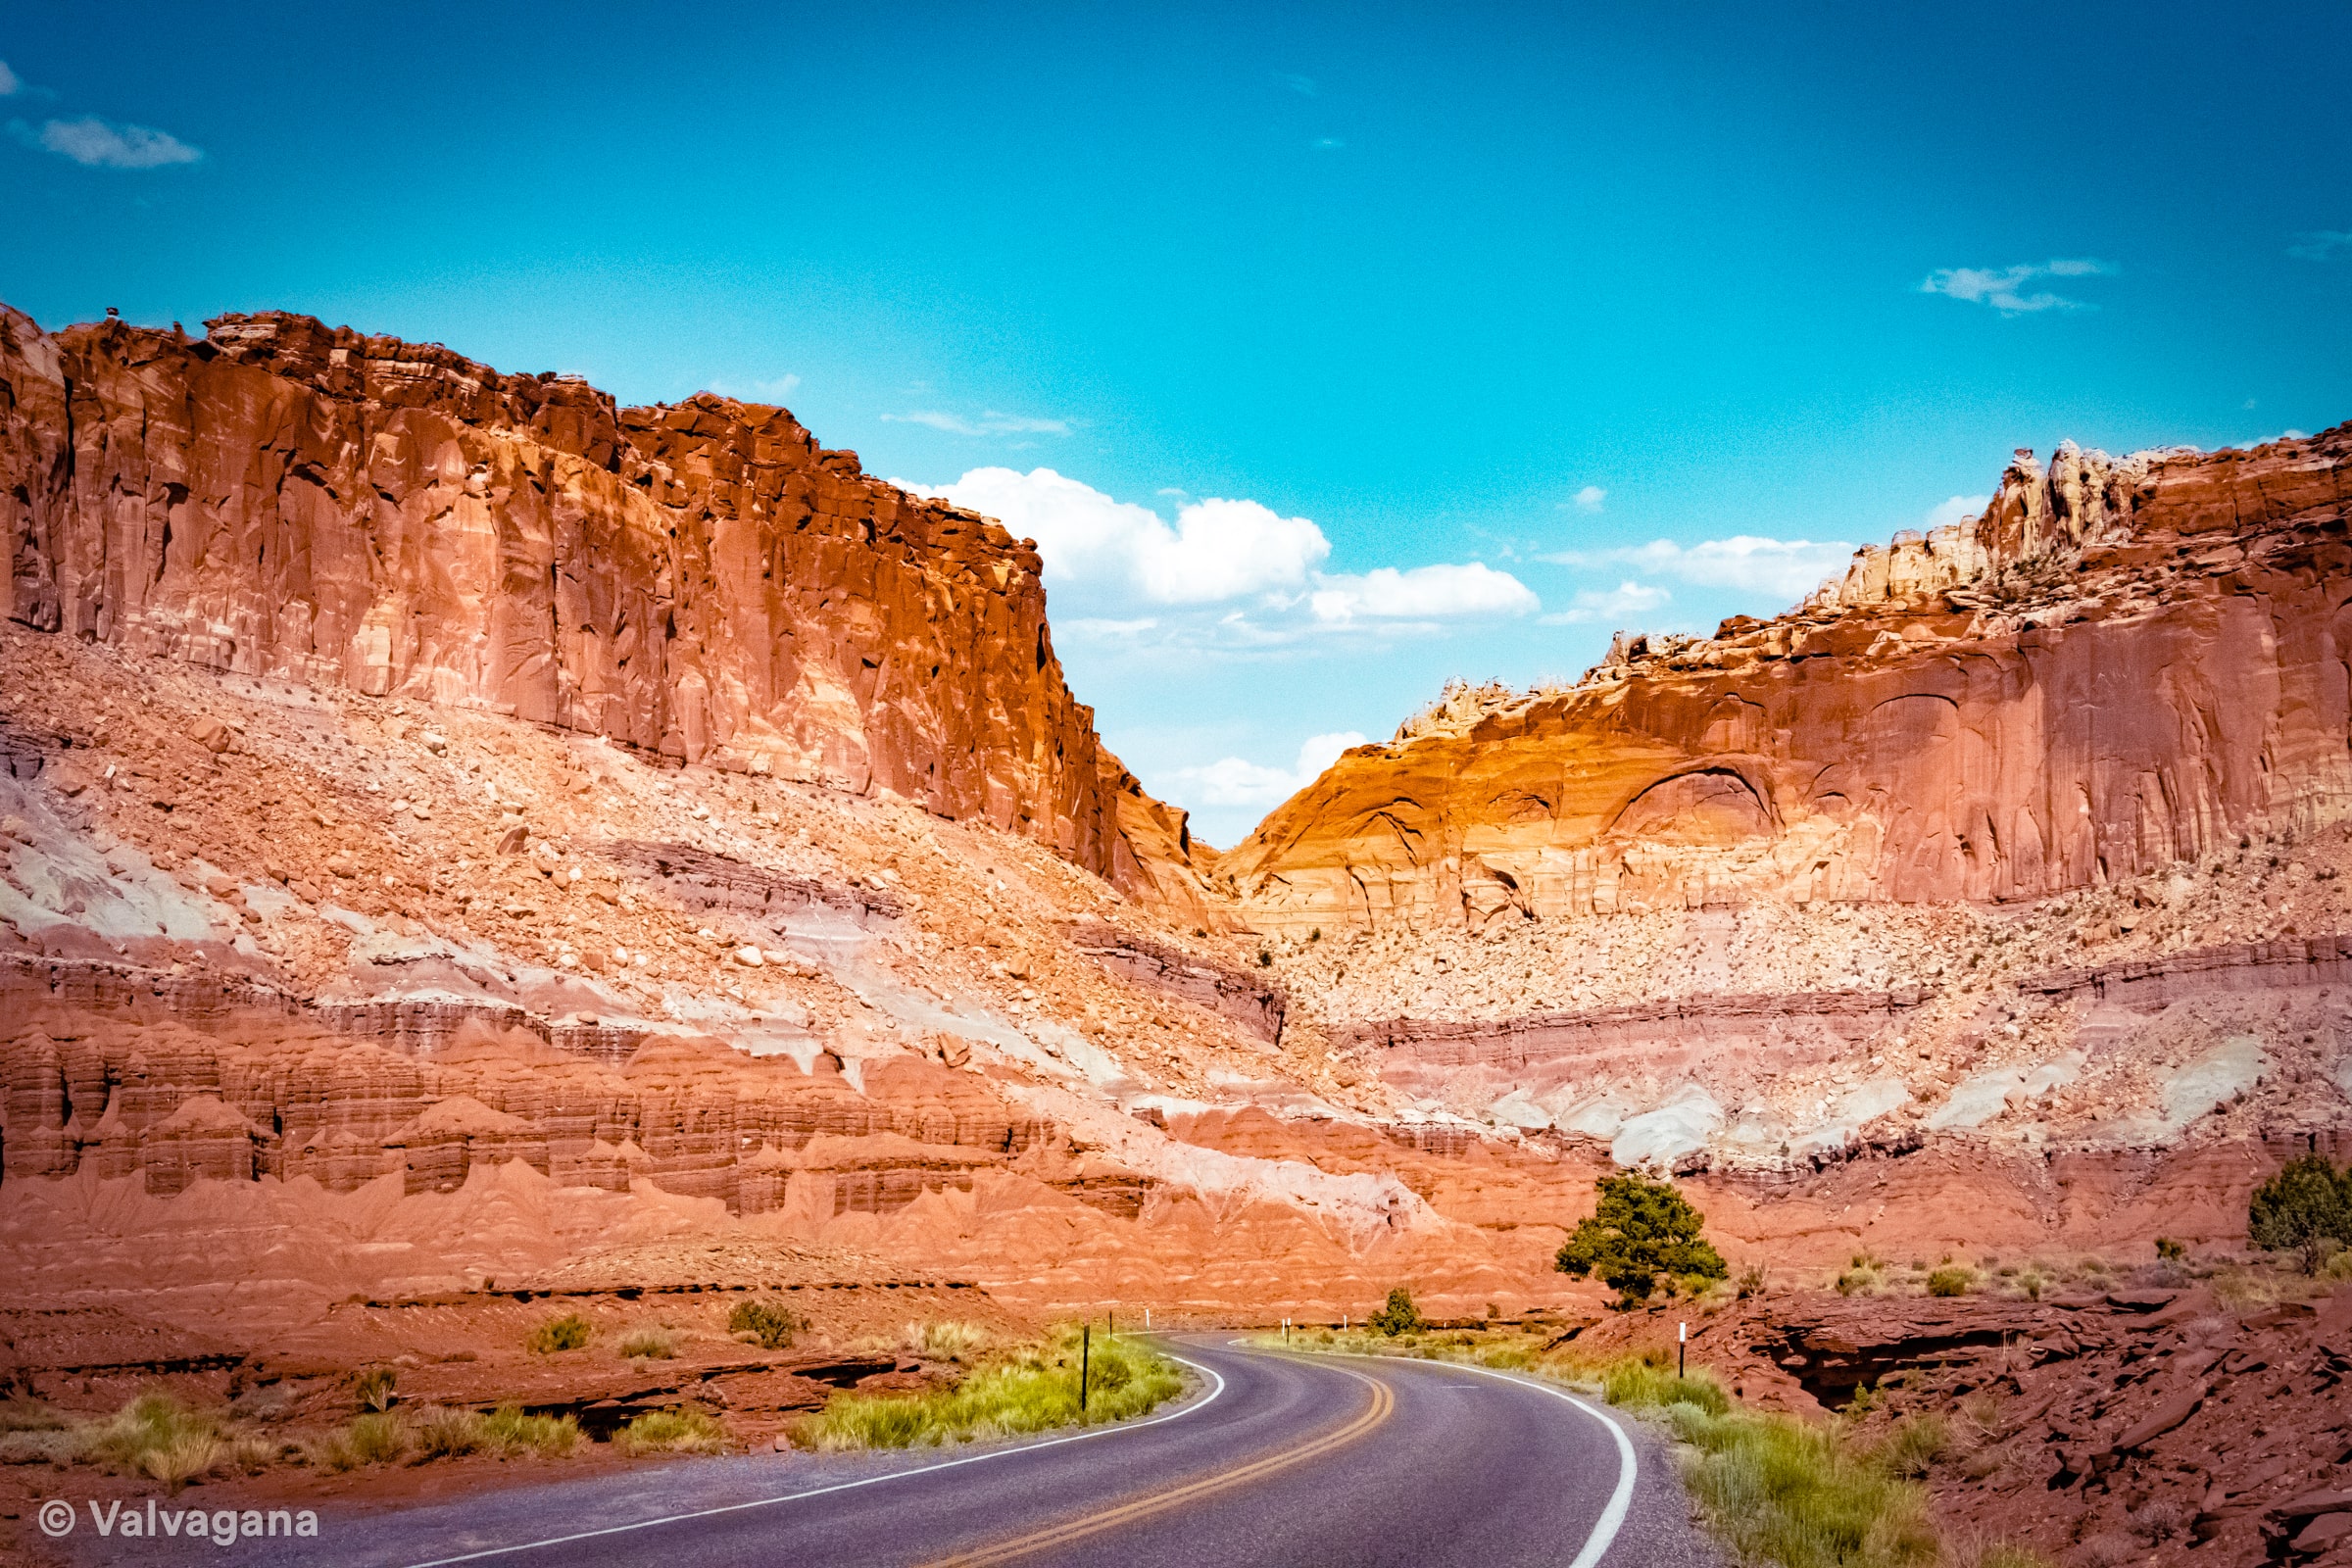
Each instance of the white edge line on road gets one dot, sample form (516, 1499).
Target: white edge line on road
(1612, 1517)
(850, 1485)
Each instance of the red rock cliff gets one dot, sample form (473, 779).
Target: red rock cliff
(286, 499)
(2122, 663)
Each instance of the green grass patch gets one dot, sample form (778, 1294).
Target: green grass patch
(653, 1341)
(1776, 1490)
(1029, 1389)
(1800, 1496)
(570, 1332)
(683, 1430)
(772, 1323)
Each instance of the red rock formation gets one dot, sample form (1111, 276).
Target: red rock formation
(2122, 665)
(283, 498)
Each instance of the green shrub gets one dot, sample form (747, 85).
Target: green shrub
(1027, 1391)
(1914, 1445)
(570, 1332)
(1399, 1316)
(446, 1434)
(651, 1342)
(378, 1438)
(1637, 1384)
(1952, 1281)
(2169, 1250)
(1642, 1229)
(772, 1323)
(945, 1341)
(374, 1388)
(1795, 1495)
(158, 1436)
(2305, 1206)
(508, 1430)
(683, 1430)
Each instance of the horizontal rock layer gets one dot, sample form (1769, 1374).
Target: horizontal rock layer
(703, 580)
(2123, 664)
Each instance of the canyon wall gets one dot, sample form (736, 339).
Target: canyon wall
(2120, 664)
(701, 580)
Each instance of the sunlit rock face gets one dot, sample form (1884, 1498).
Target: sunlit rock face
(702, 581)
(2120, 664)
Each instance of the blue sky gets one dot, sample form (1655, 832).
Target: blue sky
(1363, 345)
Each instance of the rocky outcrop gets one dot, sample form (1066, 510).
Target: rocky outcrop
(1256, 1006)
(700, 580)
(2122, 665)
(1693, 1036)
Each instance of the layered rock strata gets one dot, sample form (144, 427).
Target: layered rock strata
(700, 580)
(2122, 665)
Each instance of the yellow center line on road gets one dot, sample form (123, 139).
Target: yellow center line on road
(1382, 1401)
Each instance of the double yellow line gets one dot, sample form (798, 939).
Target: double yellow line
(1382, 1401)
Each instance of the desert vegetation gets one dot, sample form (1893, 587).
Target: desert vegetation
(1776, 1490)
(2306, 1209)
(1642, 1231)
(1015, 1389)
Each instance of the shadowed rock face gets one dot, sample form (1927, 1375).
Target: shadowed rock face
(2122, 665)
(701, 580)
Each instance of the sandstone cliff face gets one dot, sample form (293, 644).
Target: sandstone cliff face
(2123, 664)
(701, 580)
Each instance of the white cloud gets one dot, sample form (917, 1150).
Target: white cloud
(1237, 782)
(1614, 608)
(773, 391)
(1236, 573)
(1326, 144)
(2001, 287)
(1217, 550)
(1788, 569)
(990, 422)
(2317, 246)
(95, 144)
(1955, 510)
(8, 82)
(1588, 499)
(1424, 593)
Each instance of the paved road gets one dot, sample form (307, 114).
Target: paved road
(1280, 1460)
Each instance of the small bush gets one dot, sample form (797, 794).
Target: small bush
(772, 1323)
(1642, 1229)
(651, 1342)
(1753, 1280)
(378, 1438)
(683, 1430)
(1638, 1385)
(374, 1388)
(507, 1430)
(158, 1436)
(945, 1341)
(1795, 1495)
(1951, 1281)
(1912, 1449)
(446, 1434)
(2169, 1250)
(570, 1332)
(2307, 1204)
(1399, 1316)
(1028, 1391)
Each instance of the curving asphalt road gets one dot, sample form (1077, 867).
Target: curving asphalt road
(1288, 1461)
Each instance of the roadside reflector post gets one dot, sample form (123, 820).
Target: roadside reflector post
(1681, 1350)
(1086, 1342)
